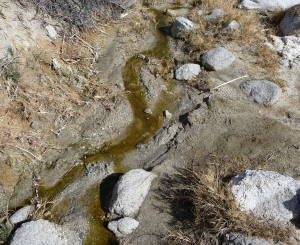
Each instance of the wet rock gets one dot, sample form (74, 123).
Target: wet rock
(232, 26)
(180, 26)
(51, 31)
(152, 84)
(238, 239)
(148, 111)
(130, 192)
(215, 15)
(290, 24)
(262, 91)
(73, 201)
(267, 194)
(141, 56)
(177, 12)
(167, 114)
(21, 215)
(187, 71)
(43, 232)
(217, 59)
(268, 5)
(123, 227)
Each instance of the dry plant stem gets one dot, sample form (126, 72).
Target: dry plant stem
(28, 152)
(229, 82)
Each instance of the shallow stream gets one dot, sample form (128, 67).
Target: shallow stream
(141, 129)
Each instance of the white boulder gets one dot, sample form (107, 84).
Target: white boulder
(51, 31)
(268, 5)
(123, 227)
(267, 194)
(217, 59)
(180, 26)
(262, 91)
(21, 215)
(187, 72)
(130, 192)
(43, 232)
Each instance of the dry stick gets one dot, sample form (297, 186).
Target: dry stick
(28, 152)
(229, 82)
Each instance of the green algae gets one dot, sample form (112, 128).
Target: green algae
(140, 131)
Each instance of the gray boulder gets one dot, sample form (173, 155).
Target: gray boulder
(262, 91)
(43, 232)
(290, 24)
(180, 26)
(268, 5)
(215, 15)
(123, 227)
(187, 71)
(21, 215)
(238, 239)
(267, 194)
(232, 26)
(130, 192)
(217, 59)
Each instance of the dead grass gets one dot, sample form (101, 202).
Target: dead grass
(214, 209)
(38, 92)
(250, 36)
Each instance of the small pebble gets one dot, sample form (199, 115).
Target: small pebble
(148, 111)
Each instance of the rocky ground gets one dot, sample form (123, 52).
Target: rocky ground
(171, 112)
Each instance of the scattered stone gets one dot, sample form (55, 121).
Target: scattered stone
(262, 91)
(178, 12)
(180, 26)
(215, 15)
(123, 227)
(51, 31)
(43, 232)
(126, 4)
(130, 192)
(217, 59)
(290, 24)
(148, 111)
(238, 239)
(167, 114)
(165, 135)
(141, 56)
(21, 215)
(267, 194)
(232, 26)
(55, 64)
(268, 5)
(200, 12)
(187, 71)
(269, 45)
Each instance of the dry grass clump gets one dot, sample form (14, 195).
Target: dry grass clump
(81, 13)
(214, 209)
(250, 36)
(54, 97)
